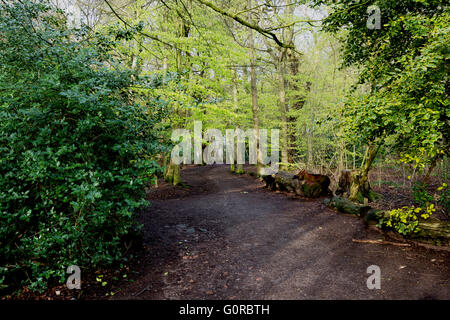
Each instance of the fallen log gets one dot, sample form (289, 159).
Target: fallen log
(304, 184)
(280, 181)
(286, 181)
(431, 230)
(346, 206)
(313, 185)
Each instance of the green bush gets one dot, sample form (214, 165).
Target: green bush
(75, 151)
(441, 196)
(405, 220)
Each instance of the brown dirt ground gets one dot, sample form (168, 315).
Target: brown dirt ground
(223, 236)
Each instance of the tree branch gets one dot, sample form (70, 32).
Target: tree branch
(130, 26)
(293, 23)
(258, 29)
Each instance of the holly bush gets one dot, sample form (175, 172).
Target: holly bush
(76, 151)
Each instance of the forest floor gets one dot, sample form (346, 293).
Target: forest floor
(396, 192)
(224, 236)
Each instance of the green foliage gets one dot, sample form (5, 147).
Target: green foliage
(405, 219)
(421, 195)
(440, 196)
(405, 64)
(75, 151)
(444, 197)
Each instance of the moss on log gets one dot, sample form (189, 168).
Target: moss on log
(437, 230)
(346, 206)
(286, 181)
(431, 230)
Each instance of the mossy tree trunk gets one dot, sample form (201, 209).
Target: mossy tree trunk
(360, 186)
(172, 174)
(239, 169)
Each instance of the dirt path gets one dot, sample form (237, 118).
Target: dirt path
(228, 238)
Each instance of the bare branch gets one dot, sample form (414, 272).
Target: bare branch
(153, 37)
(250, 25)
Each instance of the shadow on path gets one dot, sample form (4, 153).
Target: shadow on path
(226, 237)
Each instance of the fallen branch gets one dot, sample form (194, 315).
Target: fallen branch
(142, 291)
(399, 244)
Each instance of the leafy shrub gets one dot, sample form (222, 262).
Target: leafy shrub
(75, 151)
(421, 195)
(405, 220)
(441, 196)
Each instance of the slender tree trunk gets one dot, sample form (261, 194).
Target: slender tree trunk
(239, 167)
(165, 29)
(360, 187)
(310, 159)
(341, 151)
(296, 102)
(254, 92)
(354, 157)
(283, 111)
(431, 167)
(172, 173)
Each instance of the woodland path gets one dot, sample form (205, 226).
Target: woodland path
(226, 237)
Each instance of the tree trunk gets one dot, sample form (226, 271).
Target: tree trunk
(310, 159)
(166, 49)
(254, 93)
(432, 166)
(360, 187)
(283, 111)
(239, 167)
(172, 173)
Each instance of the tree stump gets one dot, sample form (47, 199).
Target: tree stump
(351, 179)
(345, 180)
